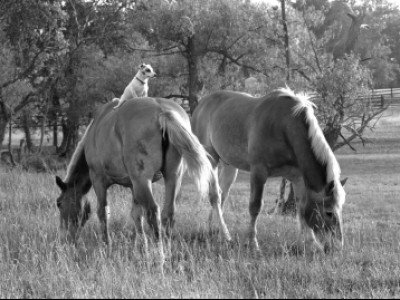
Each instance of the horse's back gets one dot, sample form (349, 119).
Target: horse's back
(220, 107)
(236, 107)
(243, 130)
(213, 102)
(142, 112)
(221, 121)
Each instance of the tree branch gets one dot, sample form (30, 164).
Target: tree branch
(25, 101)
(357, 133)
(236, 60)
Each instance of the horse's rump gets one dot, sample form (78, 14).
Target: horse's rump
(125, 139)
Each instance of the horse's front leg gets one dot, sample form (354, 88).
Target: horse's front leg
(103, 210)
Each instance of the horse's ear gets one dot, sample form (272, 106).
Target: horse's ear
(329, 188)
(343, 182)
(61, 184)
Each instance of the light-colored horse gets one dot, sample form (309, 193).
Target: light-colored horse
(129, 147)
(275, 135)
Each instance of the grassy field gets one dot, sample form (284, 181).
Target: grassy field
(33, 263)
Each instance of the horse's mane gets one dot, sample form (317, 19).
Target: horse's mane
(319, 145)
(77, 155)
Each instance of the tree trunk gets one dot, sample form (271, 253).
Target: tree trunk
(26, 128)
(65, 135)
(195, 84)
(286, 40)
(10, 144)
(70, 134)
(55, 109)
(332, 133)
(42, 132)
(21, 150)
(55, 134)
(4, 119)
(285, 206)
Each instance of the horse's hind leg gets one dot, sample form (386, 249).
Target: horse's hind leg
(215, 200)
(144, 197)
(137, 216)
(173, 172)
(227, 177)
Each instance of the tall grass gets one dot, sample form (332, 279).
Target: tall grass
(34, 263)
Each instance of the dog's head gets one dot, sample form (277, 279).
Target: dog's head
(147, 71)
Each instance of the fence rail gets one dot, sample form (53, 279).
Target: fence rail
(382, 97)
(379, 97)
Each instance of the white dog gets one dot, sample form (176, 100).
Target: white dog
(138, 87)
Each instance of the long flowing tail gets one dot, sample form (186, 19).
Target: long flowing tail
(193, 153)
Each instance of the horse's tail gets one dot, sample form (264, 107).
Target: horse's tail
(188, 145)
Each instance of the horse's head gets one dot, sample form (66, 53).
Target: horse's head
(147, 71)
(72, 216)
(323, 214)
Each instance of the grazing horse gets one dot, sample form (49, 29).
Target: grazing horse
(128, 147)
(275, 135)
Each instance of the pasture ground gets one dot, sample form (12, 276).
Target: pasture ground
(33, 263)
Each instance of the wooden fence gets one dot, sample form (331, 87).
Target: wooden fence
(383, 97)
(377, 98)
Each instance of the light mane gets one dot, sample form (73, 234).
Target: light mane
(75, 157)
(319, 145)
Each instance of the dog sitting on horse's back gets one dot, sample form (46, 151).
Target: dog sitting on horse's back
(138, 87)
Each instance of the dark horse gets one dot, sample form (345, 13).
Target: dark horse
(275, 135)
(128, 147)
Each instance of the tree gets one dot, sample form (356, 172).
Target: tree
(328, 66)
(197, 30)
(91, 26)
(379, 44)
(32, 36)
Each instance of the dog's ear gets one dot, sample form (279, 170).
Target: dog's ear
(142, 66)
